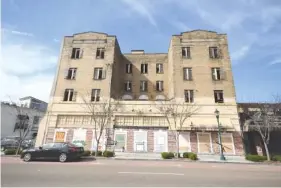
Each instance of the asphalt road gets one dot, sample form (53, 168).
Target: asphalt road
(116, 173)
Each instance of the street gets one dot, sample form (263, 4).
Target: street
(121, 173)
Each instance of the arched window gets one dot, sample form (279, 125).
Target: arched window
(127, 97)
(143, 97)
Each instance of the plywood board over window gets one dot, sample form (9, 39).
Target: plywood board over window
(227, 142)
(204, 143)
(184, 142)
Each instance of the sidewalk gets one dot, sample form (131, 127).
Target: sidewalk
(201, 158)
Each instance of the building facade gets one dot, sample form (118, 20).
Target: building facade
(31, 102)
(10, 114)
(196, 71)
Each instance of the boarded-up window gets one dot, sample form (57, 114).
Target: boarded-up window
(59, 136)
(227, 143)
(204, 143)
(184, 142)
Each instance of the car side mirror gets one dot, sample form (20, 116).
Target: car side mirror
(40, 147)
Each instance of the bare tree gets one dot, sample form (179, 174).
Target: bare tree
(25, 119)
(176, 114)
(101, 113)
(265, 120)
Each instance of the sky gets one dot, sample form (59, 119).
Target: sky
(32, 32)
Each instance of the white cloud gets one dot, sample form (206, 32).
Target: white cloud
(276, 61)
(240, 53)
(142, 8)
(15, 32)
(181, 26)
(27, 68)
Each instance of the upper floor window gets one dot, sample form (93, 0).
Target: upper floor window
(99, 74)
(144, 68)
(159, 85)
(36, 120)
(159, 68)
(70, 74)
(100, 53)
(185, 52)
(129, 68)
(187, 73)
(216, 73)
(189, 96)
(214, 52)
(95, 96)
(218, 94)
(128, 86)
(143, 86)
(76, 53)
(69, 95)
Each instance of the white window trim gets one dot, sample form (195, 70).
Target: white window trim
(189, 96)
(128, 88)
(160, 85)
(144, 68)
(60, 130)
(159, 68)
(189, 141)
(97, 73)
(215, 73)
(128, 67)
(186, 72)
(166, 135)
(185, 50)
(120, 131)
(233, 145)
(211, 144)
(145, 141)
(73, 73)
(143, 85)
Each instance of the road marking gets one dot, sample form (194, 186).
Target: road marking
(152, 173)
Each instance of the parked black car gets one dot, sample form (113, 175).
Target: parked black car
(14, 143)
(62, 151)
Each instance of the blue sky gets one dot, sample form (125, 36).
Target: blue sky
(31, 33)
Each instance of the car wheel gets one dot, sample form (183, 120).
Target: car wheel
(27, 157)
(63, 157)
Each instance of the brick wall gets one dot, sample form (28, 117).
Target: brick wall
(50, 135)
(150, 140)
(238, 143)
(193, 142)
(130, 141)
(172, 147)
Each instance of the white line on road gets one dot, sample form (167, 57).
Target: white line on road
(151, 173)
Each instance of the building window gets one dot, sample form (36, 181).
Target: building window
(76, 53)
(218, 94)
(214, 52)
(143, 86)
(128, 86)
(185, 52)
(144, 68)
(68, 95)
(187, 73)
(189, 96)
(159, 85)
(100, 53)
(70, 74)
(95, 95)
(129, 68)
(35, 120)
(159, 68)
(99, 74)
(216, 73)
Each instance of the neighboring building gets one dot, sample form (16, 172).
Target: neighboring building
(10, 114)
(196, 70)
(253, 143)
(31, 102)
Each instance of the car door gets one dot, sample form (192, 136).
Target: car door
(55, 151)
(46, 151)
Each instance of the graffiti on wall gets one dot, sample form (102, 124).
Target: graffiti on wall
(79, 137)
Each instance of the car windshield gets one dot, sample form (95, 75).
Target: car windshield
(71, 145)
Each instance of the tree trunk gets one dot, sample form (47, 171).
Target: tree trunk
(266, 150)
(97, 148)
(18, 148)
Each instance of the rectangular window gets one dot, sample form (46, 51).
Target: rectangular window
(214, 52)
(100, 53)
(143, 86)
(76, 53)
(159, 85)
(185, 52)
(128, 86)
(159, 68)
(189, 96)
(35, 120)
(70, 74)
(218, 94)
(216, 73)
(129, 68)
(95, 95)
(187, 73)
(68, 95)
(99, 74)
(144, 68)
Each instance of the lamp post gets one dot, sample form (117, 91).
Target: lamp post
(219, 135)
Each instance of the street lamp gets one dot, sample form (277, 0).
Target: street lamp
(219, 135)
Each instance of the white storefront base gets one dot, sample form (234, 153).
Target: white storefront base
(140, 141)
(160, 141)
(120, 137)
